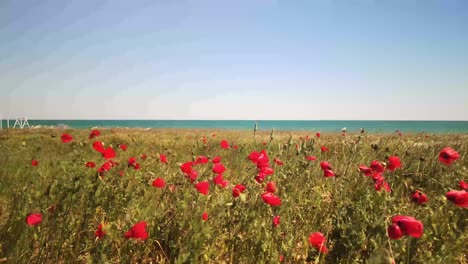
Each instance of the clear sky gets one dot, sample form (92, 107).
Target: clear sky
(242, 59)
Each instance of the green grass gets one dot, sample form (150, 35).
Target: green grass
(346, 209)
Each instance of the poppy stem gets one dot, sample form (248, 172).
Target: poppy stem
(408, 247)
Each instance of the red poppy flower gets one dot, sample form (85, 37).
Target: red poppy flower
(253, 156)
(108, 153)
(216, 159)
(219, 168)
(267, 170)
(463, 185)
(307, 137)
(99, 233)
(90, 164)
(205, 216)
(263, 159)
(235, 147)
(138, 231)
(136, 166)
(328, 173)
(276, 221)
(377, 166)
(162, 158)
(237, 190)
(408, 225)
(260, 177)
(218, 180)
(317, 240)
(98, 146)
(366, 170)
(281, 258)
(394, 232)
(192, 176)
(264, 143)
(271, 199)
(323, 148)
(105, 168)
(270, 187)
(123, 147)
(121, 173)
(381, 183)
(203, 187)
(448, 155)
(325, 165)
(94, 133)
(34, 219)
(34, 163)
(278, 162)
(186, 167)
(131, 161)
(224, 144)
(459, 198)
(318, 134)
(419, 197)
(311, 158)
(159, 183)
(201, 160)
(66, 138)
(143, 157)
(393, 163)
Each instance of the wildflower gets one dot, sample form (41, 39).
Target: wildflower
(216, 159)
(218, 180)
(94, 133)
(99, 233)
(138, 231)
(405, 225)
(463, 185)
(459, 198)
(271, 199)
(66, 138)
(34, 219)
(448, 155)
(203, 187)
(377, 166)
(159, 182)
(270, 187)
(317, 240)
(224, 144)
(419, 197)
(219, 168)
(162, 158)
(278, 161)
(276, 221)
(393, 163)
(205, 216)
(237, 190)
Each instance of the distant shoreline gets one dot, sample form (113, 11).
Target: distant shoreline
(328, 126)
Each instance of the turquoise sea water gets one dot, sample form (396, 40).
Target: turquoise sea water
(329, 126)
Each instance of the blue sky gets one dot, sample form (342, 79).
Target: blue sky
(243, 59)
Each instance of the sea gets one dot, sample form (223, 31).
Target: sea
(309, 125)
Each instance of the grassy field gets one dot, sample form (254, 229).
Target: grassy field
(66, 201)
